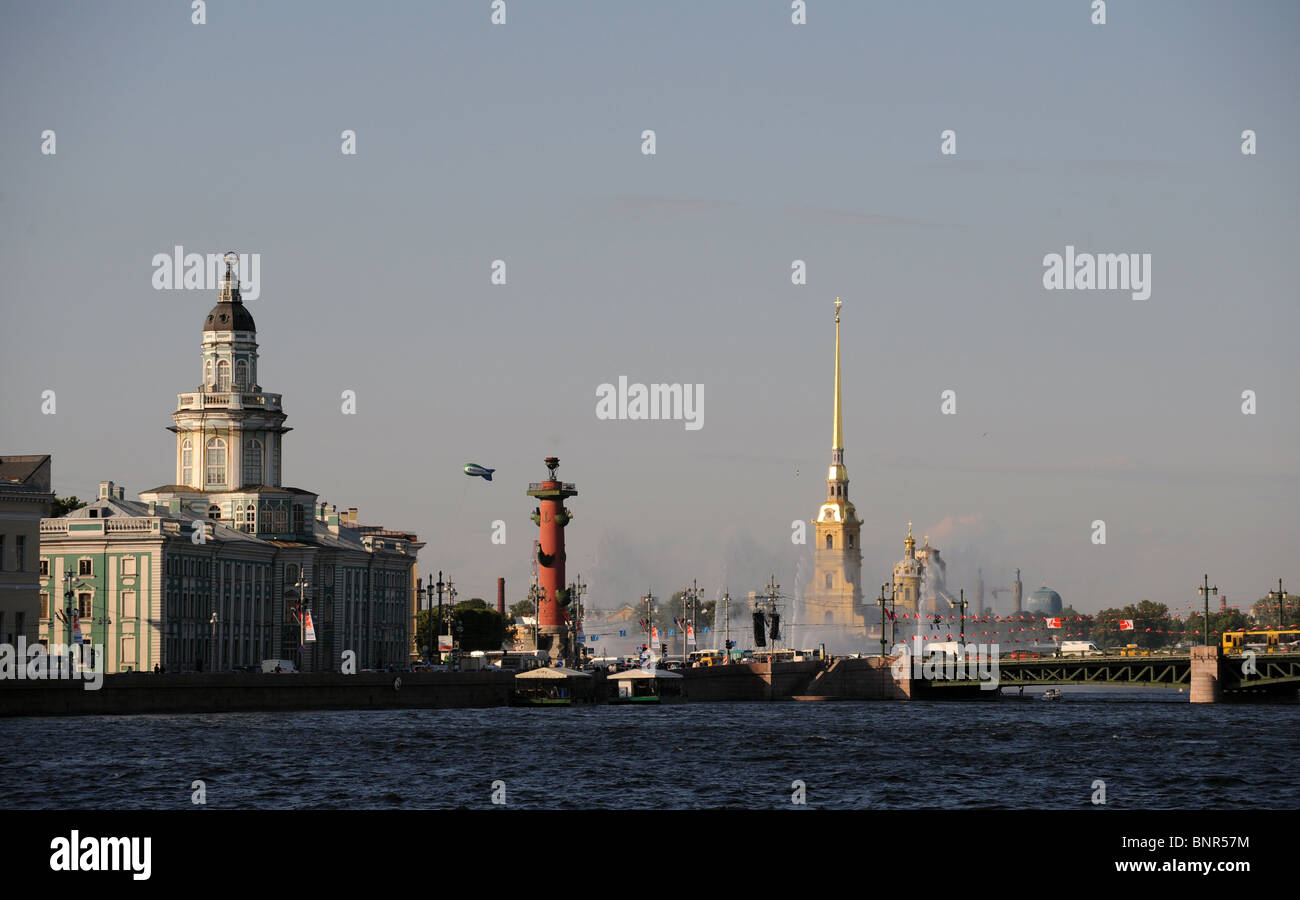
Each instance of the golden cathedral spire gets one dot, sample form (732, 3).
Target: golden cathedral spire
(837, 441)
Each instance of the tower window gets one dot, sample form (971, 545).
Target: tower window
(252, 462)
(241, 374)
(187, 461)
(216, 462)
(850, 542)
(223, 374)
(830, 579)
(207, 373)
(830, 543)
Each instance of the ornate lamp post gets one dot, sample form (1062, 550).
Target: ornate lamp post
(963, 604)
(576, 590)
(881, 600)
(212, 640)
(1281, 597)
(1206, 591)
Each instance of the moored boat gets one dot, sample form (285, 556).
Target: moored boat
(647, 686)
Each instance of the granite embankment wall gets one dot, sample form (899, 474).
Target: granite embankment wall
(860, 679)
(135, 693)
(845, 679)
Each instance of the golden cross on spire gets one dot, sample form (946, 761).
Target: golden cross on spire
(838, 304)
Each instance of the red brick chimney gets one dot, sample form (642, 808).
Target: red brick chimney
(501, 596)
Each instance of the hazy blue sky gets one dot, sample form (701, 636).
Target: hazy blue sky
(775, 142)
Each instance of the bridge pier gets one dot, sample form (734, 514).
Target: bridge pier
(1205, 677)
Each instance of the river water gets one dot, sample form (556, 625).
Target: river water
(1152, 749)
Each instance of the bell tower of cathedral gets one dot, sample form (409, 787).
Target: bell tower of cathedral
(835, 595)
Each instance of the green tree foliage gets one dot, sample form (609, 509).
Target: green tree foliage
(480, 627)
(1151, 626)
(521, 609)
(1265, 612)
(1220, 622)
(64, 505)
(1075, 625)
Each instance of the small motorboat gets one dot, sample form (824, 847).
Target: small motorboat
(1051, 694)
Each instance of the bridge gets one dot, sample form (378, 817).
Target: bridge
(1205, 671)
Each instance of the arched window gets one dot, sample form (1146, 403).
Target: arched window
(241, 374)
(252, 462)
(214, 511)
(266, 523)
(223, 374)
(830, 544)
(850, 542)
(290, 576)
(250, 519)
(207, 373)
(216, 462)
(281, 519)
(187, 461)
(829, 579)
(274, 481)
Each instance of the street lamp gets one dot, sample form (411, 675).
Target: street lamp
(1281, 597)
(212, 641)
(576, 590)
(881, 600)
(301, 584)
(536, 594)
(1206, 591)
(963, 604)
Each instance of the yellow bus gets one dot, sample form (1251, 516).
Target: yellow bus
(705, 658)
(1262, 640)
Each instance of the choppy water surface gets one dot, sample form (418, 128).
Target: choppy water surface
(1152, 749)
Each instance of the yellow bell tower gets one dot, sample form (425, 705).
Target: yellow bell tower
(835, 595)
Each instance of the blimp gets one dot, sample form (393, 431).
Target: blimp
(482, 471)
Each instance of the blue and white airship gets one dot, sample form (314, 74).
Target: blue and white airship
(482, 471)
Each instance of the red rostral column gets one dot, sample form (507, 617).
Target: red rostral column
(551, 516)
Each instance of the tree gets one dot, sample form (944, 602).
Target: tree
(64, 505)
(1265, 612)
(1220, 621)
(1152, 626)
(480, 628)
(1075, 626)
(521, 609)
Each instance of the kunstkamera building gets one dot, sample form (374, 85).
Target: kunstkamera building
(216, 569)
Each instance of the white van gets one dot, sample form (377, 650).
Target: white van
(286, 665)
(1080, 648)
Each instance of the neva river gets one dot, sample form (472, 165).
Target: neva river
(1151, 748)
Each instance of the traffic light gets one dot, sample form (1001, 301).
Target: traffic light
(663, 649)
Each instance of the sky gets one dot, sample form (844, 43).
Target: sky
(774, 142)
